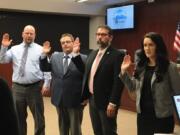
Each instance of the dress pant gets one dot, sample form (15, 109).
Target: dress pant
(102, 125)
(29, 96)
(70, 120)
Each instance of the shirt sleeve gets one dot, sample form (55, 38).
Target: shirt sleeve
(5, 55)
(47, 79)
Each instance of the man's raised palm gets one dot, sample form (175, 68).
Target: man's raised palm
(46, 47)
(5, 40)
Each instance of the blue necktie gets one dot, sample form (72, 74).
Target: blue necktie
(65, 65)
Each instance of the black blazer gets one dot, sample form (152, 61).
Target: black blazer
(107, 85)
(66, 88)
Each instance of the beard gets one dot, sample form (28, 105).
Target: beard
(102, 44)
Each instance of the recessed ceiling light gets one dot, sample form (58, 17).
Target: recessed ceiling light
(81, 1)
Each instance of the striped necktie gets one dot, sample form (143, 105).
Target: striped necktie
(65, 64)
(23, 61)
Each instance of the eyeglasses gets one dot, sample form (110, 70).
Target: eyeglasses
(102, 34)
(65, 42)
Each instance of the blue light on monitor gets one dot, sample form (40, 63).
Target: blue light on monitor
(121, 17)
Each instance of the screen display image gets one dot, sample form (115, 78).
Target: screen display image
(121, 17)
(177, 104)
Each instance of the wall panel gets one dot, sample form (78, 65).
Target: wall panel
(161, 16)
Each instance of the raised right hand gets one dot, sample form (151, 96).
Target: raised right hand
(126, 63)
(46, 47)
(5, 40)
(76, 46)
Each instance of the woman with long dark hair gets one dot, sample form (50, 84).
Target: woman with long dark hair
(155, 80)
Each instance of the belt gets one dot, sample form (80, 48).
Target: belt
(27, 85)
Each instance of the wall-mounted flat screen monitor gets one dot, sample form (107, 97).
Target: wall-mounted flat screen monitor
(121, 17)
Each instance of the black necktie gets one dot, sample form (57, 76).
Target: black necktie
(65, 65)
(23, 61)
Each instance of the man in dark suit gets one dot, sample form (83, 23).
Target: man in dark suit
(101, 84)
(67, 78)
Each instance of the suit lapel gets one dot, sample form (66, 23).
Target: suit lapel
(91, 60)
(60, 61)
(104, 58)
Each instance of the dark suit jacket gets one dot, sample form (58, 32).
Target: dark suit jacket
(66, 88)
(107, 85)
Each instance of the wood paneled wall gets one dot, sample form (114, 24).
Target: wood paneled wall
(6, 72)
(161, 16)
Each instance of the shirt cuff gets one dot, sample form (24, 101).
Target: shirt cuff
(47, 79)
(47, 83)
(114, 105)
(43, 56)
(75, 54)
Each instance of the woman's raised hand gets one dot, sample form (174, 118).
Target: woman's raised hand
(126, 64)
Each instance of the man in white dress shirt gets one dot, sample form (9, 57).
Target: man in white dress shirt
(27, 77)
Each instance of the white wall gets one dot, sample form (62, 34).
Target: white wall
(53, 6)
(91, 8)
